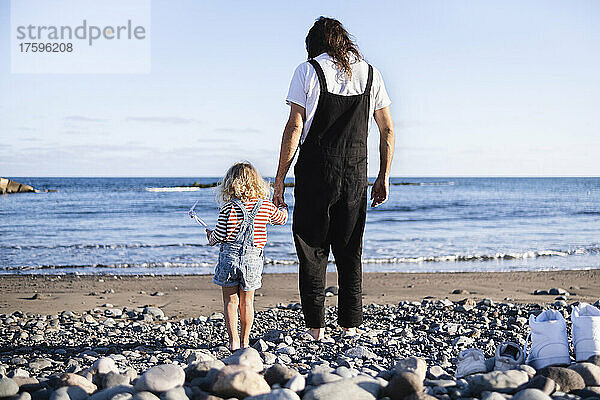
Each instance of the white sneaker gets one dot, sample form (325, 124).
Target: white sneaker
(549, 341)
(509, 355)
(470, 361)
(586, 331)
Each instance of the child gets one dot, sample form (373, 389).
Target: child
(242, 231)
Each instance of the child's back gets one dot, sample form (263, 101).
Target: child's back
(231, 216)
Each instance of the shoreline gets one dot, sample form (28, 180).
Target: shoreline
(185, 296)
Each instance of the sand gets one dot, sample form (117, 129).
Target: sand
(189, 296)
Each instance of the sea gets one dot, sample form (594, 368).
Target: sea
(141, 226)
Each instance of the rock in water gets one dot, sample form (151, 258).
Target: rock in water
(589, 372)
(249, 357)
(280, 374)
(412, 364)
(531, 394)
(240, 384)
(8, 387)
(7, 186)
(161, 378)
(567, 379)
(277, 394)
(497, 381)
(403, 384)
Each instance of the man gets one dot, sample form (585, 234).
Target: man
(332, 97)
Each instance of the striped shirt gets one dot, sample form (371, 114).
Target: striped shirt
(228, 224)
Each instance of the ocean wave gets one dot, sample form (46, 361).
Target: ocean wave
(370, 260)
(101, 246)
(173, 189)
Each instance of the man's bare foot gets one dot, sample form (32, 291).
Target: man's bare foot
(317, 333)
(233, 346)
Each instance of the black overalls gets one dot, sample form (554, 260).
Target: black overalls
(331, 202)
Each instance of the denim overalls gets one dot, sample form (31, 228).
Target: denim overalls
(240, 262)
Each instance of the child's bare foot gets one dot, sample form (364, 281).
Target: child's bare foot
(317, 333)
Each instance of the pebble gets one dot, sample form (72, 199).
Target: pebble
(403, 384)
(279, 374)
(497, 381)
(277, 394)
(249, 357)
(567, 379)
(241, 383)
(589, 372)
(69, 393)
(8, 387)
(531, 394)
(161, 378)
(296, 383)
(70, 379)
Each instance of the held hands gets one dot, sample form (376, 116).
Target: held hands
(380, 191)
(278, 190)
(208, 233)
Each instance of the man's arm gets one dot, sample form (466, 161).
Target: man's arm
(289, 144)
(380, 190)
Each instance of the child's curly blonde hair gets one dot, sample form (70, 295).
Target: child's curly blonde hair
(242, 181)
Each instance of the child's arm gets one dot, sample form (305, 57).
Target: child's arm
(279, 215)
(219, 234)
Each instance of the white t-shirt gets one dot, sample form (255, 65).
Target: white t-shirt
(305, 89)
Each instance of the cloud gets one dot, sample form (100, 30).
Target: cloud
(29, 139)
(81, 118)
(237, 130)
(162, 120)
(25, 129)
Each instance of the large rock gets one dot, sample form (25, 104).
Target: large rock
(70, 379)
(7, 187)
(277, 394)
(8, 387)
(403, 384)
(104, 365)
(355, 389)
(124, 391)
(113, 379)
(249, 357)
(280, 374)
(595, 359)
(240, 383)
(69, 393)
(177, 393)
(161, 378)
(531, 394)
(412, 364)
(497, 381)
(542, 383)
(145, 396)
(589, 372)
(567, 378)
(201, 368)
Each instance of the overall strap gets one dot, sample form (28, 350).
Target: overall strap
(244, 222)
(369, 81)
(320, 74)
(256, 209)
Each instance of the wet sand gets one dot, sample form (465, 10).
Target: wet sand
(189, 296)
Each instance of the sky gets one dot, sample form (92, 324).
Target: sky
(478, 88)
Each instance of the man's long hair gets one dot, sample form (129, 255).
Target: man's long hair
(329, 36)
